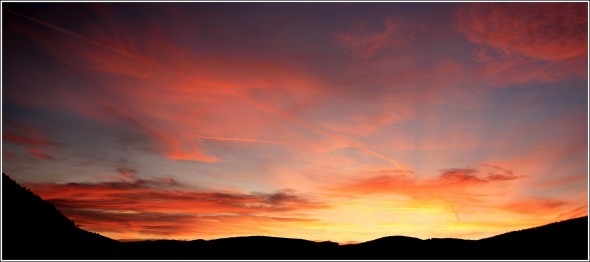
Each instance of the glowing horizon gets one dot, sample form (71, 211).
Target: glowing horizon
(323, 121)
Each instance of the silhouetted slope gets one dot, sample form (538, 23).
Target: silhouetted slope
(402, 247)
(251, 247)
(561, 240)
(399, 247)
(564, 240)
(35, 229)
(164, 249)
(259, 247)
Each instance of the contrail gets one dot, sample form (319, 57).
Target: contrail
(76, 35)
(211, 149)
(389, 208)
(319, 130)
(241, 140)
(229, 92)
(451, 206)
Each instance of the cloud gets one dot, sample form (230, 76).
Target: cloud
(451, 206)
(453, 180)
(162, 206)
(364, 43)
(486, 173)
(197, 93)
(535, 205)
(525, 42)
(545, 31)
(498, 173)
(32, 139)
(127, 172)
(501, 68)
(142, 225)
(39, 153)
(574, 213)
(460, 176)
(484, 193)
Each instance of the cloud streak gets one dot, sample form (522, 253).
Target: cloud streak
(546, 31)
(162, 206)
(515, 37)
(33, 140)
(193, 153)
(455, 180)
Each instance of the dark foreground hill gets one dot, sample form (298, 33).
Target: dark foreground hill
(35, 229)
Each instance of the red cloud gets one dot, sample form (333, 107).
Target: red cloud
(500, 68)
(450, 180)
(163, 206)
(130, 225)
(180, 99)
(526, 42)
(34, 137)
(39, 154)
(545, 31)
(535, 206)
(35, 142)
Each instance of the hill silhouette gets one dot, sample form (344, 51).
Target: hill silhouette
(35, 229)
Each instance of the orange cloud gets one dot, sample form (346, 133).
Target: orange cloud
(535, 206)
(131, 206)
(456, 181)
(573, 213)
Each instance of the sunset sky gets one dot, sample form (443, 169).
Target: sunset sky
(324, 121)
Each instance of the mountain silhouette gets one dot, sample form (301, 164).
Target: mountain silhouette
(35, 229)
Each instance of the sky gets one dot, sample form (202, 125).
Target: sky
(323, 121)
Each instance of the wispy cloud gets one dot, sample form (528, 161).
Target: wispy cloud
(546, 31)
(33, 140)
(514, 38)
(159, 206)
(363, 42)
(455, 180)
(182, 147)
